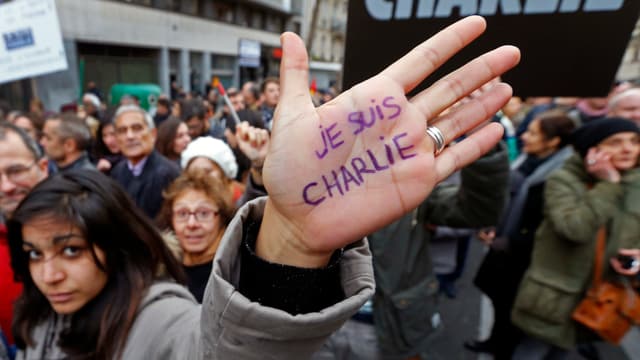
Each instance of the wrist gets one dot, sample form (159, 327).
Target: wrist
(280, 241)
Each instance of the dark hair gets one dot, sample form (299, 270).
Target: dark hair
(556, 123)
(5, 108)
(213, 188)
(255, 91)
(167, 136)
(101, 149)
(192, 108)
(135, 257)
(164, 102)
(37, 121)
(268, 81)
(29, 142)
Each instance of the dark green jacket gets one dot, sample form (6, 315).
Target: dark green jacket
(562, 261)
(405, 312)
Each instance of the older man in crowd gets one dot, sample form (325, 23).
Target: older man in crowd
(65, 139)
(145, 173)
(22, 166)
(626, 104)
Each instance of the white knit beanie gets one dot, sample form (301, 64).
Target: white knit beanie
(214, 149)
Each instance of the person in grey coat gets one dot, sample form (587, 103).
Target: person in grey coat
(292, 267)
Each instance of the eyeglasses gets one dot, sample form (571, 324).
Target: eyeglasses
(201, 215)
(17, 173)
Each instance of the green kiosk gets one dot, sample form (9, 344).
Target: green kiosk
(147, 93)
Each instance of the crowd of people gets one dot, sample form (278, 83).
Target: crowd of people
(188, 233)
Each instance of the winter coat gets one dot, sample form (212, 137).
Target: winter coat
(503, 267)
(146, 190)
(405, 312)
(171, 325)
(563, 256)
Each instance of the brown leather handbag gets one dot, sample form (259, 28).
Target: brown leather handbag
(608, 309)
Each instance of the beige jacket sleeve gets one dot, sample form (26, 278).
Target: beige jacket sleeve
(235, 328)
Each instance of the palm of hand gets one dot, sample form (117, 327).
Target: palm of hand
(339, 172)
(350, 165)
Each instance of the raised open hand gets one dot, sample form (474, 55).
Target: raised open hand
(340, 171)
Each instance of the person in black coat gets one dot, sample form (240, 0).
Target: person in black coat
(502, 269)
(145, 173)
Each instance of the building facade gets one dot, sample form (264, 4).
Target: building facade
(162, 41)
(630, 67)
(324, 30)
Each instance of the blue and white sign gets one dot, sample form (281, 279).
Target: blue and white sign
(18, 39)
(250, 52)
(31, 43)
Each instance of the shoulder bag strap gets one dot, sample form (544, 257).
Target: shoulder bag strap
(600, 249)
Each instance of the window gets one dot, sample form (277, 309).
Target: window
(257, 19)
(222, 12)
(242, 16)
(188, 6)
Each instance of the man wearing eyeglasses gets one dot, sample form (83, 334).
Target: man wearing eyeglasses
(146, 173)
(22, 166)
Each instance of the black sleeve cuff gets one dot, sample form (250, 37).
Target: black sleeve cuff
(288, 288)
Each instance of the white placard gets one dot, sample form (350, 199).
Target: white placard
(30, 40)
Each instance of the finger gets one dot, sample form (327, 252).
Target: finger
(464, 118)
(251, 137)
(243, 130)
(263, 136)
(294, 70)
(458, 84)
(629, 252)
(619, 269)
(425, 58)
(456, 157)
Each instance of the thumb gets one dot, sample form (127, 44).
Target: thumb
(294, 70)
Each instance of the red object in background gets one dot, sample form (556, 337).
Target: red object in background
(69, 107)
(221, 89)
(313, 88)
(10, 289)
(277, 53)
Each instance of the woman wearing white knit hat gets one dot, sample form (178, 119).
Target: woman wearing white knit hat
(215, 157)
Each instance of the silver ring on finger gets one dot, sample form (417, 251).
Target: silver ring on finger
(438, 139)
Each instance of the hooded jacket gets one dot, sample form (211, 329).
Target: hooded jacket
(171, 325)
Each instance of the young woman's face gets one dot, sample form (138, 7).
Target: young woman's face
(196, 222)
(109, 138)
(624, 149)
(535, 141)
(61, 264)
(182, 138)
